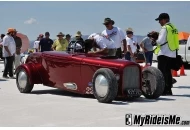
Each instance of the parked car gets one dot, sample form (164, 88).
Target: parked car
(184, 51)
(103, 76)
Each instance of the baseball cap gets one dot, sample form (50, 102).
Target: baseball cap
(47, 33)
(163, 16)
(68, 35)
(41, 35)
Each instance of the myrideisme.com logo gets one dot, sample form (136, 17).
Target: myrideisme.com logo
(142, 120)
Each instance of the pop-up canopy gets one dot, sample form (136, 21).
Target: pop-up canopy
(25, 42)
(183, 35)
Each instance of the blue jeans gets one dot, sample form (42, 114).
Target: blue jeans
(148, 57)
(128, 57)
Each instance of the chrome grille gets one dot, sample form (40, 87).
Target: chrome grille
(131, 78)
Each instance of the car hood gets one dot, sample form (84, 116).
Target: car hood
(92, 60)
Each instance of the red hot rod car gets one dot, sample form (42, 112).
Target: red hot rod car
(105, 77)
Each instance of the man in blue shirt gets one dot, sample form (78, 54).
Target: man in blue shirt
(46, 43)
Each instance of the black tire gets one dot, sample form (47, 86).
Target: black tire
(28, 87)
(153, 83)
(186, 65)
(112, 85)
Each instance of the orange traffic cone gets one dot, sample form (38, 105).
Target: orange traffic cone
(174, 73)
(182, 71)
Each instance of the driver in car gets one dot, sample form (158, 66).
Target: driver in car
(98, 44)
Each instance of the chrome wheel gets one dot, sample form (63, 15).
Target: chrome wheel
(22, 79)
(101, 86)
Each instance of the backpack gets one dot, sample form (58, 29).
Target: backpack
(176, 63)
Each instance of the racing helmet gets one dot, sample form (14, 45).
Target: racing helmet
(92, 35)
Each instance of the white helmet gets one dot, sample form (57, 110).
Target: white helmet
(92, 35)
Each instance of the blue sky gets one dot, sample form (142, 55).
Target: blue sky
(33, 18)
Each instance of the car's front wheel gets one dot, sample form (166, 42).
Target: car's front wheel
(153, 83)
(22, 81)
(105, 86)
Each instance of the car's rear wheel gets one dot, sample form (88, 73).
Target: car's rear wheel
(153, 83)
(105, 86)
(22, 81)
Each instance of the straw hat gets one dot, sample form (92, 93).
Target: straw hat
(78, 34)
(60, 34)
(129, 30)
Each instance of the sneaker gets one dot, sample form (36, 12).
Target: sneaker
(6, 77)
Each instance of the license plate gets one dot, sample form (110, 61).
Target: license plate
(133, 92)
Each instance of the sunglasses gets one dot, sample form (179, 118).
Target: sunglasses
(106, 24)
(129, 32)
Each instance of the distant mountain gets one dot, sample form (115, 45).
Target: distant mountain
(32, 41)
(31, 44)
(139, 39)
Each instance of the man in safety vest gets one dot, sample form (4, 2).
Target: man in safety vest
(167, 46)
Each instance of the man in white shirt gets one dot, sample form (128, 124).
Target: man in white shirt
(165, 54)
(1, 40)
(105, 46)
(1, 48)
(116, 35)
(36, 43)
(1, 45)
(9, 49)
(131, 45)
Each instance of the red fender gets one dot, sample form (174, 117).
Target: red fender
(142, 67)
(32, 72)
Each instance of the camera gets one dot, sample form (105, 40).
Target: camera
(153, 35)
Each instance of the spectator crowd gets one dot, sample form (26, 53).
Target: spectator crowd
(111, 42)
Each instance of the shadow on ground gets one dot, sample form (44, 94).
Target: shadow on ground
(182, 87)
(184, 95)
(3, 80)
(118, 101)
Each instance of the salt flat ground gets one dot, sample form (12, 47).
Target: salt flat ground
(51, 107)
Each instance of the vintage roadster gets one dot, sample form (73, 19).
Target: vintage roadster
(105, 77)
